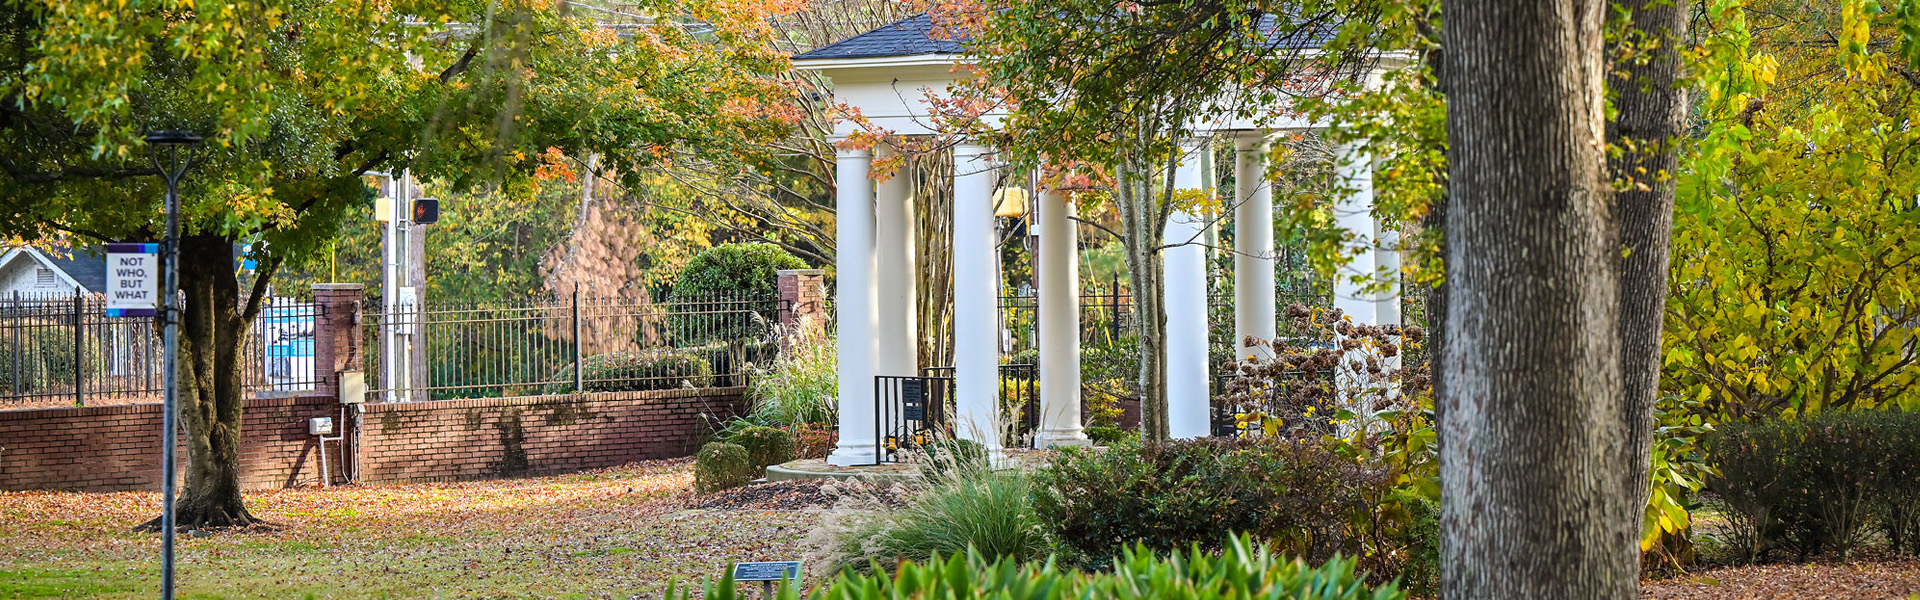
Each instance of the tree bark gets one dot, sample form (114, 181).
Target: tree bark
(1651, 109)
(1529, 468)
(1141, 223)
(213, 327)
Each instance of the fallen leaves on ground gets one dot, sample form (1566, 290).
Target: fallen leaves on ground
(611, 533)
(1889, 579)
(801, 495)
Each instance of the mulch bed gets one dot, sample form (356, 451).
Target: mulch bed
(800, 495)
(1893, 579)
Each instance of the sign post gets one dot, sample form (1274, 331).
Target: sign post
(133, 280)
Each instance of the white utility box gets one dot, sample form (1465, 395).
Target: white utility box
(320, 426)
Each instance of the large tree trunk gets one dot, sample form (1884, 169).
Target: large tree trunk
(1529, 469)
(1651, 109)
(213, 328)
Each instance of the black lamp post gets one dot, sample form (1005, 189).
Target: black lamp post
(172, 153)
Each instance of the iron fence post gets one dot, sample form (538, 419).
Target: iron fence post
(79, 342)
(579, 367)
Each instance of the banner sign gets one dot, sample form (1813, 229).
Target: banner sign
(133, 280)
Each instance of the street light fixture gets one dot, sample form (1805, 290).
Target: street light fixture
(172, 152)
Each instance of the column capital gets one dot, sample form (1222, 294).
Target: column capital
(1252, 141)
(970, 149)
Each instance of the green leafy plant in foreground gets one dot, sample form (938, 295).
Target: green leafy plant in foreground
(1242, 569)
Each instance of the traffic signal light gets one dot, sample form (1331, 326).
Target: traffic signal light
(426, 211)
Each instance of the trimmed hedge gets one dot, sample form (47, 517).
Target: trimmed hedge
(1819, 482)
(637, 372)
(721, 466)
(726, 273)
(1302, 496)
(765, 446)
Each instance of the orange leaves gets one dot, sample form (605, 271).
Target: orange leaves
(555, 165)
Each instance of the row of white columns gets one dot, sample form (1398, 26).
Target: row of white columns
(875, 291)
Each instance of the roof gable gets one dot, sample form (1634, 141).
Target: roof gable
(911, 36)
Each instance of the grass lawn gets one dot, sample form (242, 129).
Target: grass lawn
(616, 533)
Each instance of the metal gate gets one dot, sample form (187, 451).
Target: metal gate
(908, 413)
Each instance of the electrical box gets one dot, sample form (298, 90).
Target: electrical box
(353, 387)
(320, 426)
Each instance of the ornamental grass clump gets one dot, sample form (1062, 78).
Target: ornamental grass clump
(972, 506)
(802, 386)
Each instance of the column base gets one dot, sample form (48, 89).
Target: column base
(1076, 438)
(845, 456)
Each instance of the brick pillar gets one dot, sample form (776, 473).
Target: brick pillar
(803, 297)
(336, 333)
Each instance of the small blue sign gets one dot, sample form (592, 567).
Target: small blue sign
(766, 571)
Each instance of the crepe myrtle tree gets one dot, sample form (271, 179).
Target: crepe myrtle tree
(1114, 85)
(299, 100)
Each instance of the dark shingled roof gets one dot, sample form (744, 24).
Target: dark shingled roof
(911, 36)
(82, 265)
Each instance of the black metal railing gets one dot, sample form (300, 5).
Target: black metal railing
(909, 412)
(567, 344)
(63, 350)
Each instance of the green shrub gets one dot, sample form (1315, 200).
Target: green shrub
(1245, 569)
(1304, 496)
(637, 371)
(802, 386)
(721, 466)
(765, 446)
(972, 508)
(948, 457)
(1817, 482)
(42, 357)
(1106, 436)
(728, 272)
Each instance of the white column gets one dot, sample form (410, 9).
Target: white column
(1254, 305)
(893, 244)
(1059, 317)
(1185, 299)
(976, 297)
(1353, 212)
(854, 296)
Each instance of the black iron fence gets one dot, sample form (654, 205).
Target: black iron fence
(911, 411)
(64, 351)
(562, 345)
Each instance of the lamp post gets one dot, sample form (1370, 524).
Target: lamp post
(172, 153)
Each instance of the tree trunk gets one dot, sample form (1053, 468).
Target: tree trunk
(1529, 468)
(1140, 227)
(1651, 108)
(213, 327)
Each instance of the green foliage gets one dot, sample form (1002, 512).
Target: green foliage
(1244, 569)
(802, 385)
(1812, 483)
(637, 371)
(813, 440)
(765, 446)
(721, 466)
(973, 508)
(1794, 275)
(728, 272)
(41, 359)
(1106, 436)
(1305, 497)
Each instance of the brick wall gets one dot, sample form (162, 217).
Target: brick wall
(111, 448)
(465, 439)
